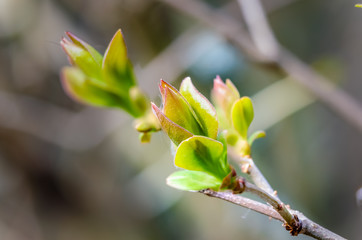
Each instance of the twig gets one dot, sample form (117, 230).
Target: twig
(292, 222)
(337, 99)
(309, 227)
(244, 202)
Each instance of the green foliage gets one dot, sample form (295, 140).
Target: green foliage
(178, 110)
(174, 131)
(193, 181)
(111, 76)
(242, 114)
(256, 135)
(107, 81)
(190, 121)
(200, 153)
(235, 114)
(80, 87)
(185, 113)
(203, 109)
(187, 117)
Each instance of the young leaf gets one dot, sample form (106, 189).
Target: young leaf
(116, 67)
(81, 58)
(97, 57)
(204, 154)
(175, 132)
(255, 135)
(115, 56)
(242, 114)
(178, 110)
(193, 181)
(205, 112)
(77, 85)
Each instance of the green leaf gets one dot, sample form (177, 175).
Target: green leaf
(178, 110)
(242, 114)
(97, 57)
(174, 131)
(204, 154)
(204, 111)
(82, 58)
(255, 135)
(79, 87)
(193, 181)
(116, 53)
(117, 69)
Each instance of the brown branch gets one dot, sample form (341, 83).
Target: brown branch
(244, 202)
(337, 99)
(291, 221)
(309, 227)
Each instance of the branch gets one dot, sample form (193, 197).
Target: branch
(336, 99)
(244, 202)
(291, 221)
(309, 227)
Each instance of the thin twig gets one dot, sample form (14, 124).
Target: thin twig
(337, 99)
(309, 227)
(280, 207)
(244, 202)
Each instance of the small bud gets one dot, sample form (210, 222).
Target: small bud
(145, 137)
(178, 110)
(242, 115)
(139, 100)
(81, 57)
(224, 96)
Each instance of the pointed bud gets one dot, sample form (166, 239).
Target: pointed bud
(80, 88)
(224, 96)
(175, 132)
(203, 109)
(82, 58)
(98, 58)
(178, 110)
(116, 67)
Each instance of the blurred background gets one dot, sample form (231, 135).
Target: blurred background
(69, 171)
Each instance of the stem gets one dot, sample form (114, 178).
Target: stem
(309, 227)
(315, 230)
(244, 202)
(279, 206)
(254, 172)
